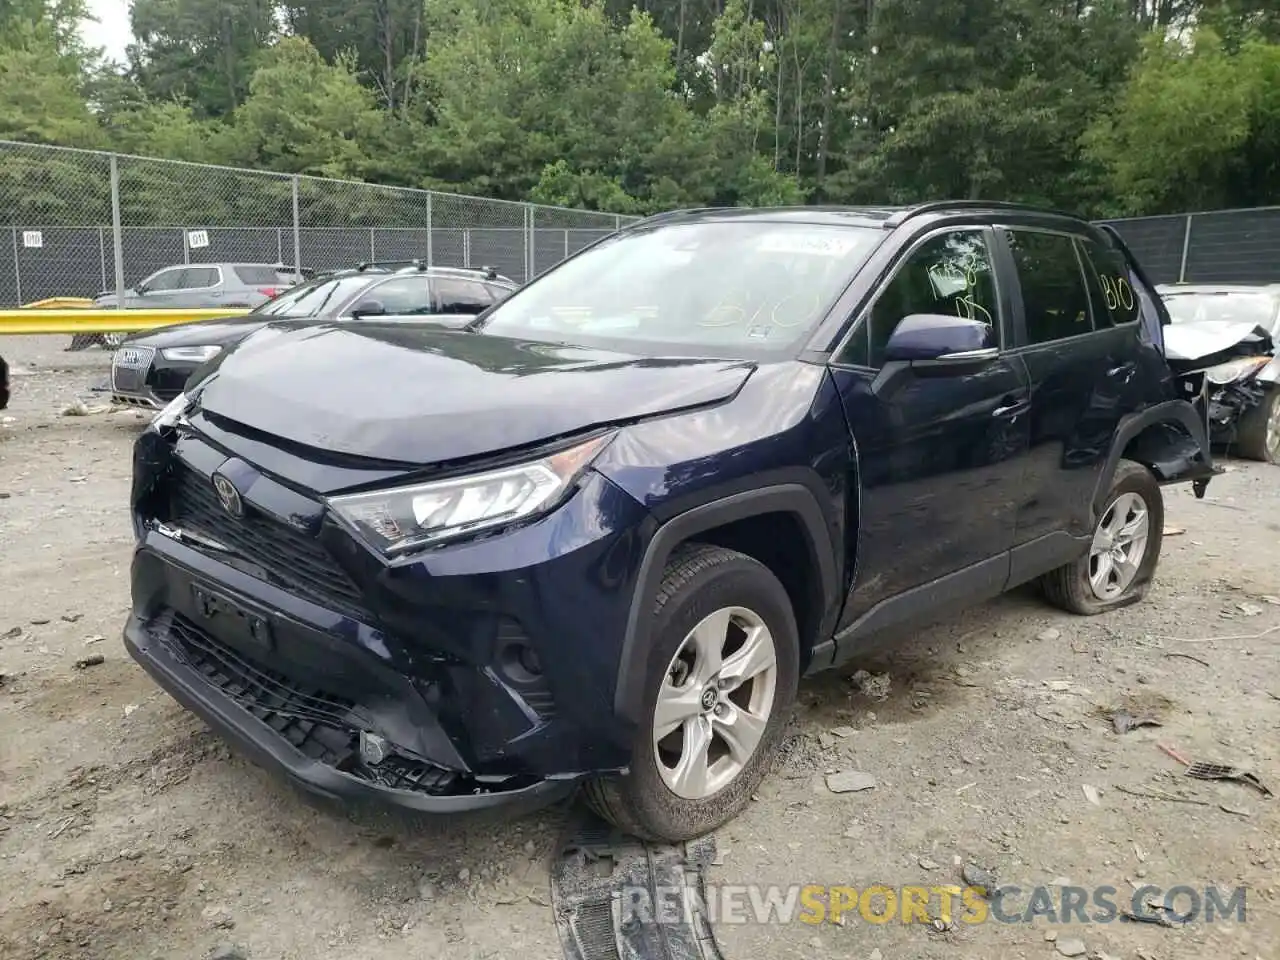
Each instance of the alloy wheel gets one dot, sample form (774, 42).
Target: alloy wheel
(715, 702)
(1119, 546)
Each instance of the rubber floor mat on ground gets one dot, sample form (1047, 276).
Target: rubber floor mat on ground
(618, 898)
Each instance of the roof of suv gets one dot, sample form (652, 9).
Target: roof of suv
(889, 217)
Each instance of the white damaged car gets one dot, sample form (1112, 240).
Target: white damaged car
(1229, 332)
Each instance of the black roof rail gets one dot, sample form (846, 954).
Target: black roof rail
(364, 265)
(942, 206)
(488, 272)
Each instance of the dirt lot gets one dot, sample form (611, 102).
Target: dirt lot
(127, 831)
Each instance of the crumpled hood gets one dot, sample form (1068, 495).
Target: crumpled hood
(1208, 339)
(423, 395)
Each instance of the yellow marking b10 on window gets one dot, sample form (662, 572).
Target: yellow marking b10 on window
(1117, 291)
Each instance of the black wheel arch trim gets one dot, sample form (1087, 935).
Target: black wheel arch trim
(792, 498)
(1179, 412)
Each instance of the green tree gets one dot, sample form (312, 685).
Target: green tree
(980, 98)
(304, 115)
(386, 37)
(43, 74)
(1196, 127)
(201, 50)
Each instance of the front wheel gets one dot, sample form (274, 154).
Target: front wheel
(1258, 434)
(721, 680)
(1124, 551)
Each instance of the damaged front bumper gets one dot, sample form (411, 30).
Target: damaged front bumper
(313, 737)
(444, 684)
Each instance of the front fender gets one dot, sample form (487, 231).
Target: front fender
(792, 498)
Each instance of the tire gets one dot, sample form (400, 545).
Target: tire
(1258, 433)
(1071, 588)
(700, 586)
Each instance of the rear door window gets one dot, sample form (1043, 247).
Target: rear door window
(1055, 299)
(1112, 282)
(258, 276)
(462, 296)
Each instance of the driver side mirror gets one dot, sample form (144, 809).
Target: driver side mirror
(368, 308)
(940, 342)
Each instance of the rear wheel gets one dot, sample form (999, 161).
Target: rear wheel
(721, 680)
(1258, 435)
(1123, 554)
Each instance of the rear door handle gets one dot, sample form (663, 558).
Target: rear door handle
(1124, 368)
(1011, 406)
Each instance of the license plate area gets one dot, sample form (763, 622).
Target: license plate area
(231, 621)
(129, 366)
(123, 378)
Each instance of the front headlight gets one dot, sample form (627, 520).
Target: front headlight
(401, 519)
(1234, 370)
(191, 354)
(171, 414)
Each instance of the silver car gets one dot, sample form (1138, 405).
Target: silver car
(230, 285)
(207, 285)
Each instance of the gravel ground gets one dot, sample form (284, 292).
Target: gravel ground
(128, 831)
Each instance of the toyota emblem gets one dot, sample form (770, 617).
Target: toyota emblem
(228, 495)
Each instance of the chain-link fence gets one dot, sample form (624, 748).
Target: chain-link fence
(1223, 246)
(80, 223)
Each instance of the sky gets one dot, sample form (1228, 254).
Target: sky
(111, 32)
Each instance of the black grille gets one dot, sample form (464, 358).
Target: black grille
(321, 725)
(292, 558)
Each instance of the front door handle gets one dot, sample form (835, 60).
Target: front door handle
(1124, 368)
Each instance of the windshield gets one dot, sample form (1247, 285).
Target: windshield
(1256, 308)
(729, 289)
(313, 297)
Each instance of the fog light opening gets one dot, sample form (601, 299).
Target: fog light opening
(520, 663)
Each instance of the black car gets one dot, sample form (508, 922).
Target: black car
(4, 384)
(149, 369)
(598, 535)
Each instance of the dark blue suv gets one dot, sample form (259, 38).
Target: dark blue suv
(597, 535)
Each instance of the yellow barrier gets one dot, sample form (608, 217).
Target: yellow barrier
(58, 303)
(26, 321)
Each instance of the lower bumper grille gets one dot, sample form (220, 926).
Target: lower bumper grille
(321, 725)
(294, 559)
(132, 401)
